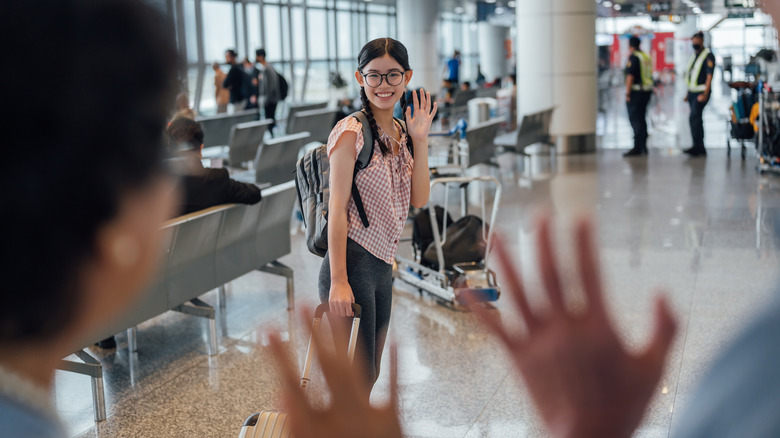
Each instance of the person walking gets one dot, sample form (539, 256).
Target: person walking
(235, 81)
(221, 94)
(698, 77)
(453, 68)
(358, 266)
(639, 88)
(268, 83)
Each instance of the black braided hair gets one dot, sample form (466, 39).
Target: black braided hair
(376, 49)
(372, 123)
(409, 143)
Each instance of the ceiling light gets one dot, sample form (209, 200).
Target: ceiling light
(511, 4)
(697, 10)
(617, 7)
(458, 10)
(607, 4)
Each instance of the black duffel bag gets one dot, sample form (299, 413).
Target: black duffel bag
(464, 243)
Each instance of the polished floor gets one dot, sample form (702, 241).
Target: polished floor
(700, 230)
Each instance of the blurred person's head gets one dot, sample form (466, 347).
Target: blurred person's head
(633, 43)
(456, 54)
(184, 136)
(697, 41)
(446, 83)
(260, 55)
(230, 56)
(466, 85)
(216, 66)
(86, 195)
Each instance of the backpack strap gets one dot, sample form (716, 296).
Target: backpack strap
(364, 157)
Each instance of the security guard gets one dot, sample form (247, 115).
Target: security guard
(699, 80)
(639, 88)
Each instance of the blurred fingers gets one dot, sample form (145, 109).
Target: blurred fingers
(295, 399)
(511, 273)
(663, 335)
(548, 264)
(587, 259)
(342, 380)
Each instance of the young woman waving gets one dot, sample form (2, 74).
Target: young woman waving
(358, 265)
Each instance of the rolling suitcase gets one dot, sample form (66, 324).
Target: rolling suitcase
(273, 424)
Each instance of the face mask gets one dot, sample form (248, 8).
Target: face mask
(697, 47)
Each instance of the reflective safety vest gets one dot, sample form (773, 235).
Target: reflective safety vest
(694, 70)
(645, 71)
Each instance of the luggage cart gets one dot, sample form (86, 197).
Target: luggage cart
(448, 286)
(769, 130)
(740, 122)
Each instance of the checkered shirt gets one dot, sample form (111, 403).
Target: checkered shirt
(385, 187)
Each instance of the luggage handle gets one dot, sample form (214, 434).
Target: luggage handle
(318, 313)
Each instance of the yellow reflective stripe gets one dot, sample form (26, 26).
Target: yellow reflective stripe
(694, 70)
(646, 69)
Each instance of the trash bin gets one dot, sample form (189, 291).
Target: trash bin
(481, 109)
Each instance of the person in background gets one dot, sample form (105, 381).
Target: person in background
(203, 187)
(698, 78)
(481, 80)
(183, 107)
(235, 81)
(269, 86)
(452, 69)
(639, 88)
(221, 94)
(251, 84)
(95, 158)
(465, 86)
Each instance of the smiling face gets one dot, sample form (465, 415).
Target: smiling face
(384, 96)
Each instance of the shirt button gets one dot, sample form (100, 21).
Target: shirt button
(395, 241)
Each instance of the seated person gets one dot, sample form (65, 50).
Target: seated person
(465, 86)
(203, 187)
(447, 92)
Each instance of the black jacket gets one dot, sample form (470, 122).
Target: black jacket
(204, 188)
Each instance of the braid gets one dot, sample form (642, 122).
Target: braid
(409, 143)
(372, 123)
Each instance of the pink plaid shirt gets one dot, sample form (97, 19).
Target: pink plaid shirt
(385, 187)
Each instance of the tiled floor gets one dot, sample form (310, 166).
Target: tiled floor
(702, 229)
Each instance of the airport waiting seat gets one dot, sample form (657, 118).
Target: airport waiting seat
(245, 138)
(216, 129)
(480, 138)
(317, 122)
(296, 108)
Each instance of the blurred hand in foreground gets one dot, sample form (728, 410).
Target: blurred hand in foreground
(350, 415)
(581, 378)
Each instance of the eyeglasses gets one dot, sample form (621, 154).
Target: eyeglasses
(392, 78)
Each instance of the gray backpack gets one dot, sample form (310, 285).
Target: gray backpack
(312, 184)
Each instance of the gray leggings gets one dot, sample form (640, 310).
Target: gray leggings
(371, 280)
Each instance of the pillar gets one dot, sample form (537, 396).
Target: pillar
(492, 51)
(417, 30)
(682, 53)
(556, 66)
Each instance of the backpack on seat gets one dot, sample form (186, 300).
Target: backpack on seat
(313, 186)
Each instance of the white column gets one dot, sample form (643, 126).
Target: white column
(556, 66)
(417, 30)
(682, 53)
(492, 52)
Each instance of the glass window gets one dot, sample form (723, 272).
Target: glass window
(208, 101)
(378, 8)
(333, 34)
(318, 37)
(299, 72)
(299, 43)
(286, 49)
(344, 26)
(218, 30)
(273, 32)
(317, 3)
(241, 43)
(190, 31)
(318, 84)
(393, 32)
(377, 26)
(253, 24)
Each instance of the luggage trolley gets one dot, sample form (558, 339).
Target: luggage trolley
(742, 116)
(444, 284)
(769, 130)
(448, 151)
